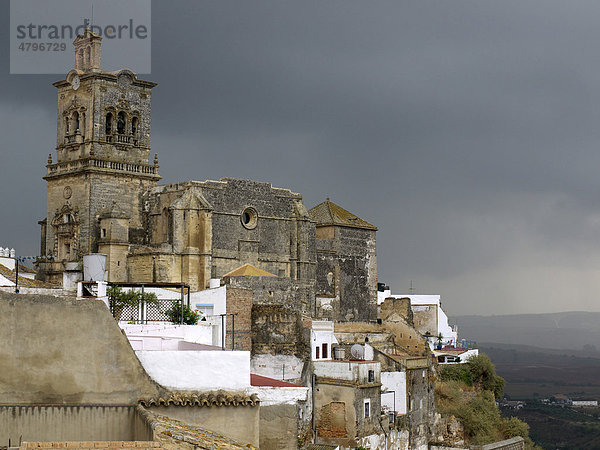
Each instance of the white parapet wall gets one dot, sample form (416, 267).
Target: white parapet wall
(148, 335)
(270, 395)
(347, 370)
(198, 370)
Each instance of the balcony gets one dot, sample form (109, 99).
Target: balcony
(122, 139)
(103, 165)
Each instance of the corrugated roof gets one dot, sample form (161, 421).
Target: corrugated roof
(328, 213)
(259, 380)
(248, 270)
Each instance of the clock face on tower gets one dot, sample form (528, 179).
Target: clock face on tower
(75, 82)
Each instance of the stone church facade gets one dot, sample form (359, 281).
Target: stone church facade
(104, 197)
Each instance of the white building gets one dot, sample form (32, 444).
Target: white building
(322, 340)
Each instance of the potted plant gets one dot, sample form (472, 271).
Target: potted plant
(439, 339)
(174, 313)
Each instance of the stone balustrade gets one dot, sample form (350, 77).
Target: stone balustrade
(79, 164)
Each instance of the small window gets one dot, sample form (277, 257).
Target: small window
(103, 232)
(371, 376)
(367, 408)
(249, 218)
(108, 125)
(317, 352)
(324, 346)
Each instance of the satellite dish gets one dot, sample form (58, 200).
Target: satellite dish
(357, 351)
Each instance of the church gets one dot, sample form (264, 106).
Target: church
(104, 197)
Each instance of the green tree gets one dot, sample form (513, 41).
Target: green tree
(483, 373)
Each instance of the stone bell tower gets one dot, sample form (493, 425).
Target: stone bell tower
(102, 163)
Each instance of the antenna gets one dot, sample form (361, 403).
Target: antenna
(357, 351)
(412, 289)
(92, 24)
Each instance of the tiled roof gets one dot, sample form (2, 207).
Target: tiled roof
(259, 380)
(218, 398)
(24, 282)
(248, 270)
(328, 213)
(25, 269)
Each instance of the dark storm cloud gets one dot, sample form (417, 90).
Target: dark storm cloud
(466, 130)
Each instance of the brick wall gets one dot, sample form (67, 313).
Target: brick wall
(239, 301)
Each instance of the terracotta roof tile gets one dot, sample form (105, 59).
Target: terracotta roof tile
(215, 398)
(259, 380)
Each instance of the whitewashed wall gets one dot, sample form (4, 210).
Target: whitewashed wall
(6, 282)
(279, 395)
(199, 334)
(346, 370)
(322, 333)
(198, 370)
(279, 367)
(394, 381)
(398, 440)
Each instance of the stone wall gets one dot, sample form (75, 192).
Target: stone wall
(421, 406)
(278, 330)
(398, 318)
(239, 222)
(297, 295)
(347, 273)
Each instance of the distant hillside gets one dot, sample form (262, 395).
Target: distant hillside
(532, 372)
(577, 330)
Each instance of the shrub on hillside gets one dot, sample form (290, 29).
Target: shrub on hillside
(477, 371)
(468, 391)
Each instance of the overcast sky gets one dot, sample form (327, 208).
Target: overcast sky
(467, 131)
